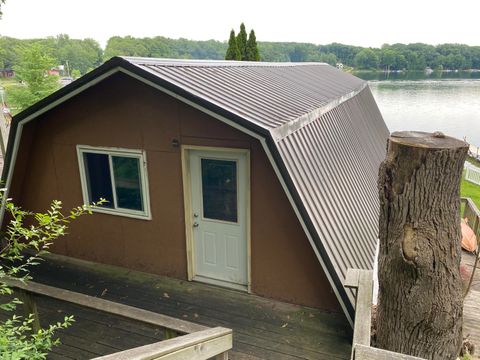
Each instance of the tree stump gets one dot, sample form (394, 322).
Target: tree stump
(420, 290)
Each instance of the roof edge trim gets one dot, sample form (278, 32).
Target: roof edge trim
(290, 127)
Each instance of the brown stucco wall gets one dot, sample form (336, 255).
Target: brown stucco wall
(122, 112)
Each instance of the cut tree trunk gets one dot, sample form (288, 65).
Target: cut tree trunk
(420, 290)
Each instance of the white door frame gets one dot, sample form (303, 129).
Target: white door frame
(187, 198)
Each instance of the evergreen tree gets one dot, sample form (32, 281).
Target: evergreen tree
(252, 48)
(242, 42)
(233, 53)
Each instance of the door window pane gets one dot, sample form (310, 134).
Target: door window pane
(219, 189)
(127, 182)
(99, 183)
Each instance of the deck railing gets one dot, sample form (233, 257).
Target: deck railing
(201, 345)
(472, 214)
(184, 339)
(361, 282)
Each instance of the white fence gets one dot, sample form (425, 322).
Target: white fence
(472, 173)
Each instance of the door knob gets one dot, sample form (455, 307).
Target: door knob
(195, 215)
(195, 224)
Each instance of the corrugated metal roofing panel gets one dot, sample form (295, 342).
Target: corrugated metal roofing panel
(267, 94)
(333, 163)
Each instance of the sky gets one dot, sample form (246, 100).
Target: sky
(353, 22)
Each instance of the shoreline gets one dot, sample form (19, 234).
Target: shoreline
(380, 71)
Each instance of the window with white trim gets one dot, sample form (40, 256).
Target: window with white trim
(117, 175)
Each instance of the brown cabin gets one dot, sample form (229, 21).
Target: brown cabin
(259, 177)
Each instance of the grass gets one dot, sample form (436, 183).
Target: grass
(8, 82)
(468, 189)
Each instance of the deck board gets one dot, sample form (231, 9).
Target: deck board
(263, 329)
(471, 306)
(93, 333)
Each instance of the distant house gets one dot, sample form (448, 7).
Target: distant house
(7, 73)
(54, 71)
(259, 177)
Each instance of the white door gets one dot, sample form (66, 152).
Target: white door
(219, 201)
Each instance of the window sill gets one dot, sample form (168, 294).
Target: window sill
(123, 213)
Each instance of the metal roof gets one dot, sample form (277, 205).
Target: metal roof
(267, 94)
(320, 126)
(333, 163)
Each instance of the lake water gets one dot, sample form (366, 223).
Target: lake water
(450, 105)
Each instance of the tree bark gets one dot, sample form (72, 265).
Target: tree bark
(420, 290)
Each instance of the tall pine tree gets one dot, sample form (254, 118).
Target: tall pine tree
(233, 53)
(242, 42)
(252, 48)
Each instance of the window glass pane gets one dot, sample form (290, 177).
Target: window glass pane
(127, 182)
(219, 189)
(97, 172)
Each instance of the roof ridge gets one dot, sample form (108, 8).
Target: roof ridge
(168, 62)
(293, 125)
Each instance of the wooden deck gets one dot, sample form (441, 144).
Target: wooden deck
(94, 333)
(263, 329)
(471, 307)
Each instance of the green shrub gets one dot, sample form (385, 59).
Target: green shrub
(28, 236)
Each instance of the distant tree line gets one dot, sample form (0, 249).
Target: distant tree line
(79, 55)
(389, 57)
(160, 46)
(83, 55)
(418, 56)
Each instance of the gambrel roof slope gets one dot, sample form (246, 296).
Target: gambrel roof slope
(319, 126)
